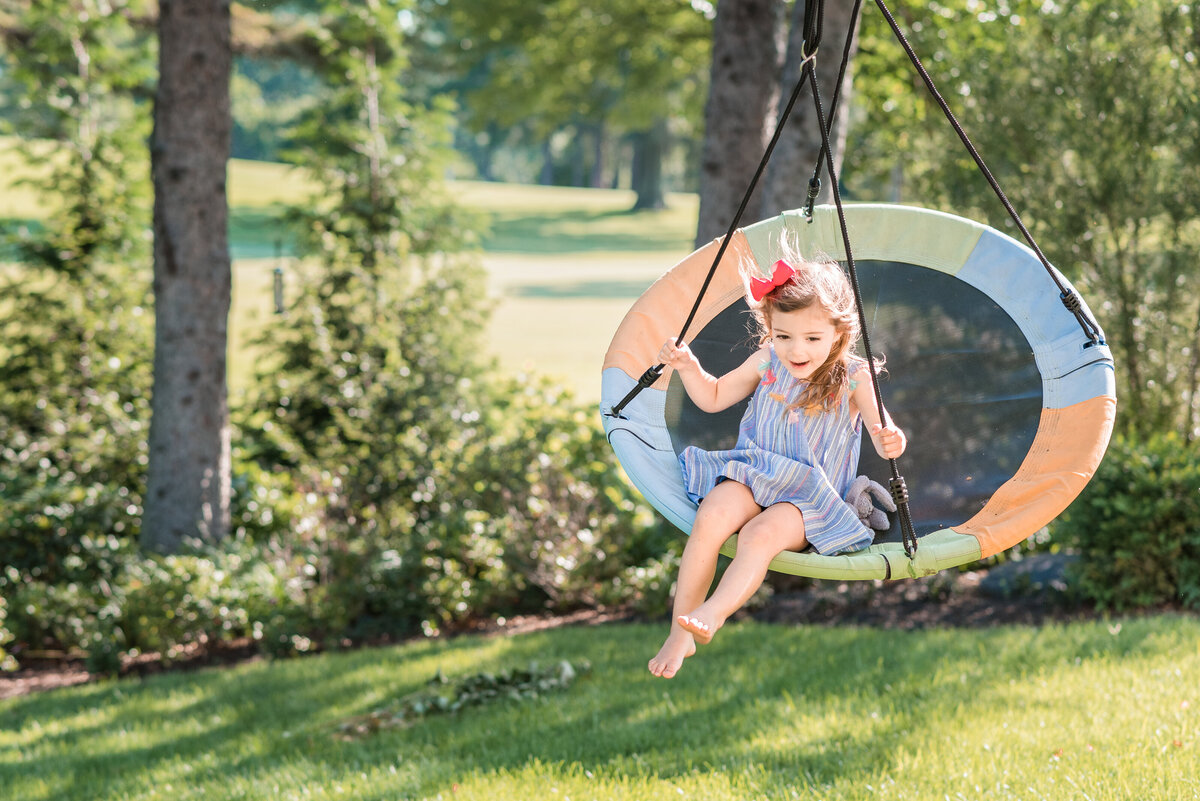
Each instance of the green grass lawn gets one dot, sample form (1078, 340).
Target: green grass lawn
(564, 264)
(1081, 711)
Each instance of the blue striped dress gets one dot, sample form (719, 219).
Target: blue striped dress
(805, 459)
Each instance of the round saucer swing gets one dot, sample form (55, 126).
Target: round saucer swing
(995, 369)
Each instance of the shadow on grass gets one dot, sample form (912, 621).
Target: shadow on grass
(259, 233)
(579, 231)
(792, 706)
(254, 233)
(587, 290)
(866, 690)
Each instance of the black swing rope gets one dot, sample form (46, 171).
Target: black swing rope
(813, 29)
(814, 183)
(1069, 298)
(813, 25)
(898, 488)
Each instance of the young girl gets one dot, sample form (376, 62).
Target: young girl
(783, 486)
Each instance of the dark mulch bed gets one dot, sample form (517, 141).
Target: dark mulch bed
(944, 600)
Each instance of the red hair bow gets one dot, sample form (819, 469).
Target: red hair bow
(782, 273)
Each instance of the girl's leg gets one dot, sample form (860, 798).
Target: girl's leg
(779, 528)
(722, 512)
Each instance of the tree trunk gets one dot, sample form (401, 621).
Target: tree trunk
(796, 154)
(547, 176)
(188, 487)
(599, 142)
(648, 149)
(738, 118)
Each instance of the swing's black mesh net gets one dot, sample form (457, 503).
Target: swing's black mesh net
(960, 379)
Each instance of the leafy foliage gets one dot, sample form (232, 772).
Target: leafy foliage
(444, 491)
(74, 381)
(1084, 112)
(142, 603)
(443, 697)
(1137, 525)
(6, 636)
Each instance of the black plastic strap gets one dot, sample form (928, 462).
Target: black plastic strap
(814, 189)
(1090, 329)
(645, 382)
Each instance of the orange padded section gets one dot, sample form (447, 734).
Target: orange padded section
(1065, 453)
(659, 314)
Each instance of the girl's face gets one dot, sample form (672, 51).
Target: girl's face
(803, 339)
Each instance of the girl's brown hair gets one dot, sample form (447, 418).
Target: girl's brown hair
(824, 284)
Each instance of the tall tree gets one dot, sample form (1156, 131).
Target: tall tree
(592, 70)
(796, 155)
(742, 99)
(188, 486)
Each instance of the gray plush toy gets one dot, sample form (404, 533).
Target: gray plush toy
(858, 498)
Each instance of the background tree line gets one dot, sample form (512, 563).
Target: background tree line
(364, 487)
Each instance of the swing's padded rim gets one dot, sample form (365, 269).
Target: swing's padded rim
(1065, 453)
(1079, 395)
(660, 312)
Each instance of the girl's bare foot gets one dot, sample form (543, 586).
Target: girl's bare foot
(700, 624)
(678, 647)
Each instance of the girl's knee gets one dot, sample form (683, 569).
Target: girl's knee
(770, 536)
(757, 536)
(724, 514)
(716, 524)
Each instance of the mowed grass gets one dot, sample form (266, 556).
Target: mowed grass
(1104, 710)
(554, 305)
(564, 264)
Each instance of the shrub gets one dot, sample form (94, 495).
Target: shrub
(1137, 525)
(164, 604)
(6, 660)
(537, 514)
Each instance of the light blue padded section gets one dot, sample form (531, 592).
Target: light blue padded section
(643, 446)
(1012, 275)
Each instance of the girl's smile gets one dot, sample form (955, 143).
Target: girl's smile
(803, 339)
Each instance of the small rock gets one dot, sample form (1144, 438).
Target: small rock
(1030, 575)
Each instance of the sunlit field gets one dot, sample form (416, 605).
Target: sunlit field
(564, 265)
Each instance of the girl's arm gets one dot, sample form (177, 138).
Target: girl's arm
(886, 436)
(711, 394)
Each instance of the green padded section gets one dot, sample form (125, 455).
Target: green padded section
(877, 232)
(935, 551)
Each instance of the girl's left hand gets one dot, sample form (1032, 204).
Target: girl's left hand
(890, 441)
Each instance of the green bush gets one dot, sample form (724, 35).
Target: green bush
(536, 516)
(1137, 525)
(6, 660)
(166, 604)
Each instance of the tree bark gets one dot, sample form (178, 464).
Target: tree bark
(739, 115)
(599, 143)
(648, 149)
(795, 157)
(188, 486)
(547, 175)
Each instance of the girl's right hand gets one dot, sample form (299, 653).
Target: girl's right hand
(677, 358)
